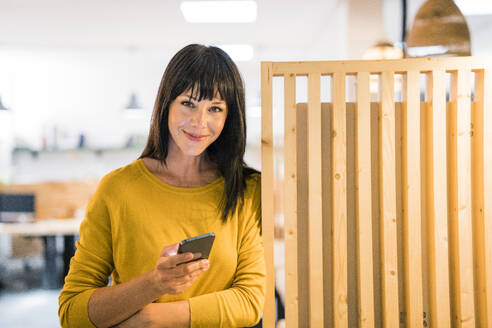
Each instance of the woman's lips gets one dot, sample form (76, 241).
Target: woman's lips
(194, 137)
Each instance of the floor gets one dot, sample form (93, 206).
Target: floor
(33, 308)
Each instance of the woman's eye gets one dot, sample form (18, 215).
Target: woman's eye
(187, 103)
(216, 109)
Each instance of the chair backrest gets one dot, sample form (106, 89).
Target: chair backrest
(387, 197)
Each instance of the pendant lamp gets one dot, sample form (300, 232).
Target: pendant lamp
(439, 30)
(2, 107)
(133, 103)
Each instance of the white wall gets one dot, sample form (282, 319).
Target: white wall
(85, 90)
(78, 91)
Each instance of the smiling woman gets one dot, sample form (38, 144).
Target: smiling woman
(191, 179)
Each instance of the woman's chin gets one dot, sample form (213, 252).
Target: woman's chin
(195, 151)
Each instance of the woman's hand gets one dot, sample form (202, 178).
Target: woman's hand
(172, 274)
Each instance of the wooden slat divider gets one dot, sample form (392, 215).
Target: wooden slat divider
(315, 202)
(412, 215)
(302, 215)
(364, 220)
(436, 183)
(387, 185)
(486, 101)
(459, 200)
(267, 183)
(480, 234)
(290, 202)
(377, 66)
(438, 216)
(339, 201)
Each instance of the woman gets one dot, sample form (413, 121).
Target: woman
(190, 179)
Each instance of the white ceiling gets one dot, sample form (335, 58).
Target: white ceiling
(154, 23)
(290, 27)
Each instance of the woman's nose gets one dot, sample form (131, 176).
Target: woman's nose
(200, 117)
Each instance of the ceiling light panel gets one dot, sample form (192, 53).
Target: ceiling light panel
(219, 11)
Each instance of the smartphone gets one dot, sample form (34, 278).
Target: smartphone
(199, 244)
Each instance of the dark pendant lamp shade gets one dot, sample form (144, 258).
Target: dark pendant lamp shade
(439, 30)
(2, 107)
(133, 104)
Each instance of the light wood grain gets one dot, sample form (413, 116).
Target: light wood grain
(339, 201)
(459, 200)
(290, 202)
(486, 105)
(302, 215)
(438, 195)
(267, 195)
(436, 266)
(399, 66)
(412, 216)
(315, 203)
(365, 284)
(387, 185)
(481, 236)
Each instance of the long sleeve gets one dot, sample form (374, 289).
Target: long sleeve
(91, 265)
(242, 304)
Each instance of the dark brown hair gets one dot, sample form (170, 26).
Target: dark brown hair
(206, 71)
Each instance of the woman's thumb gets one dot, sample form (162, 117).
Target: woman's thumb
(170, 250)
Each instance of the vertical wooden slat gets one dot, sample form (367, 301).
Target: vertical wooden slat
(290, 202)
(376, 231)
(486, 101)
(267, 183)
(302, 214)
(412, 216)
(389, 260)
(339, 201)
(326, 166)
(480, 240)
(426, 167)
(364, 203)
(352, 296)
(459, 198)
(315, 202)
(437, 216)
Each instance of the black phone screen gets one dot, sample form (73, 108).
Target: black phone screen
(200, 244)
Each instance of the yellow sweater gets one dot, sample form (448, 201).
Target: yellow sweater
(134, 214)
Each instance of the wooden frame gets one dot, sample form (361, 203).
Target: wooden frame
(420, 175)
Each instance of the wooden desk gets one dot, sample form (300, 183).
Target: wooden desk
(48, 230)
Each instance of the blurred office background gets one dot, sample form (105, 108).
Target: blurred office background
(78, 82)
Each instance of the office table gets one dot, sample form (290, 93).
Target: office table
(48, 230)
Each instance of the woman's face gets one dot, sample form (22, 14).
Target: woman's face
(194, 125)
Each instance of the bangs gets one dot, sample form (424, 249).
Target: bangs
(207, 76)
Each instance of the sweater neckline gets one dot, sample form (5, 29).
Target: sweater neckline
(152, 177)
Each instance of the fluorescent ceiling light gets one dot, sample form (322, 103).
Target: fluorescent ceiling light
(219, 11)
(238, 52)
(474, 7)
